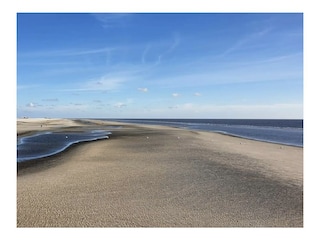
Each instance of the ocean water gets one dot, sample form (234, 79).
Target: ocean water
(288, 132)
(48, 143)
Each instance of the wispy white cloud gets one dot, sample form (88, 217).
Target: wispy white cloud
(103, 84)
(143, 89)
(31, 105)
(197, 94)
(106, 50)
(278, 68)
(109, 20)
(66, 52)
(78, 104)
(120, 105)
(176, 95)
(175, 43)
(245, 41)
(144, 54)
(158, 50)
(50, 100)
(25, 86)
(173, 107)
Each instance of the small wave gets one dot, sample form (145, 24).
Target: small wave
(259, 139)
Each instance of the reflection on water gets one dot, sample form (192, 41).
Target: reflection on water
(49, 143)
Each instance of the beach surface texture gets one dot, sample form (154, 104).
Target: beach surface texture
(157, 176)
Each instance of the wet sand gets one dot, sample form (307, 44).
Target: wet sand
(155, 176)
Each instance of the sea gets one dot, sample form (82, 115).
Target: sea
(287, 132)
(282, 131)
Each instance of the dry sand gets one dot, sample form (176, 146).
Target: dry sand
(152, 176)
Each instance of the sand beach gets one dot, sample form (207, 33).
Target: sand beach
(157, 176)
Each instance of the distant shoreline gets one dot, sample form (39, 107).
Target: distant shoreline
(231, 127)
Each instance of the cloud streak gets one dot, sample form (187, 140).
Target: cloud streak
(31, 105)
(67, 52)
(104, 83)
(143, 90)
(50, 100)
(120, 105)
(109, 20)
(245, 41)
(172, 47)
(264, 70)
(144, 54)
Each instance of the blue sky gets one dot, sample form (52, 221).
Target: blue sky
(160, 65)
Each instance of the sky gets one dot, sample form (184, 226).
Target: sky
(160, 65)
